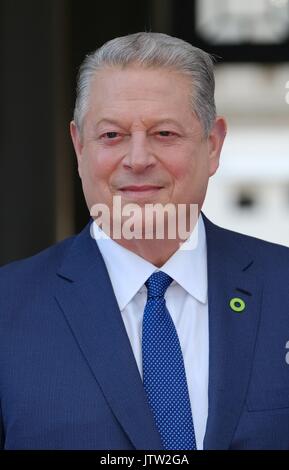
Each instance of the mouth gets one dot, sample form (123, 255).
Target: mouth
(140, 191)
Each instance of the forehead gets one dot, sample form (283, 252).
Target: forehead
(135, 86)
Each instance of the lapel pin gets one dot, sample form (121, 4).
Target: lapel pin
(237, 304)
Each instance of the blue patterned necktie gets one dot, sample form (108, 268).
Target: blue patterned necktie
(164, 376)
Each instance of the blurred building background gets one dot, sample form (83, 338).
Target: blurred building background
(42, 44)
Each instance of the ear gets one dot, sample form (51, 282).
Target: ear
(215, 141)
(77, 144)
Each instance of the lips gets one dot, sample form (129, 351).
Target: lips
(142, 188)
(140, 192)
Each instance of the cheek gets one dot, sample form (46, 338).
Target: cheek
(97, 166)
(188, 161)
(190, 174)
(182, 167)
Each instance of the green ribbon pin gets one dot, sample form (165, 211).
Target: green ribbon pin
(237, 304)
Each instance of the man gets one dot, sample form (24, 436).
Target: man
(120, 342)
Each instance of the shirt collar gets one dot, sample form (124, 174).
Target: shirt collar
(128, 272)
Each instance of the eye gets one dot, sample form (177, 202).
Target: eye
(166, 133)
(110, 135)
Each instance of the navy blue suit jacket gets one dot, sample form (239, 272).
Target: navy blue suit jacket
(68, 377)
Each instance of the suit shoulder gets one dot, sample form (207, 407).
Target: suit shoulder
(265, 251)
(35, 266)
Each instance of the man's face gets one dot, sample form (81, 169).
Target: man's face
(141, 140)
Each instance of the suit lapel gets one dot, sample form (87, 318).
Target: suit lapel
(86, 298)
(232, 335)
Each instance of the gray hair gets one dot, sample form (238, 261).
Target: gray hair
(152, 50)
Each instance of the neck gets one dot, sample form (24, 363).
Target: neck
(156, 252)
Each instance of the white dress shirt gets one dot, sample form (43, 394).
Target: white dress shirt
(186, 300)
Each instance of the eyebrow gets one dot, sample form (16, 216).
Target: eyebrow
(167, 121)
(107, 121)
(158, 122)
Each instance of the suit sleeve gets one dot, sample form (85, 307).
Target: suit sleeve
(1, 430)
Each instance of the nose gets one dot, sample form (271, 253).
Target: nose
(139, 155)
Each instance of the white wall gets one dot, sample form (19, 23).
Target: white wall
(255, 159)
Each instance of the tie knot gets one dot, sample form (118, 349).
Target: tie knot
(157, 284)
